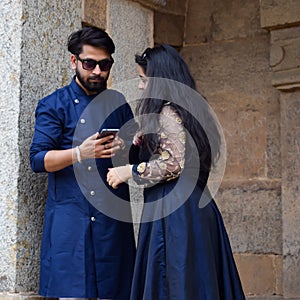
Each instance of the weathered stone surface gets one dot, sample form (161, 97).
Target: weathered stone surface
(22, 296)
(291, 276)
(94, 13)
(176, 7)
(284, 58)
(266, 298)
(260, 274)
(154, 4)
(279, 13)
(252, 215)
(168, 29)
(45, 64)
(219, 20)
(131, 27)
(10, 84)
(290, 123)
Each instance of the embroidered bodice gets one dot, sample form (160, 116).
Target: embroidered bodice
(170, 154)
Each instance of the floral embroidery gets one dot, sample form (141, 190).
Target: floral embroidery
(163, 135)
(141, 167)
(168, 162)
(165, 155)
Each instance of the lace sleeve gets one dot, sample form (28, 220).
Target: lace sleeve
(170, 153)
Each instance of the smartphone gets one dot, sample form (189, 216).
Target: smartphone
(108, 131)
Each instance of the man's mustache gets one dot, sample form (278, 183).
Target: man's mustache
(96, 77)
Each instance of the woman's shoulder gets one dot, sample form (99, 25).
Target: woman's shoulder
(169, 110)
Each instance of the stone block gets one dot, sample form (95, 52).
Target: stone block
(131, 27)
(284, 58)
(153, 4)
(291, 276)
(266, 298)
(176, 7)
(94, 13)
(219, 20)
(260, 274)
(168, 29)
(252, 215)
(279, 13)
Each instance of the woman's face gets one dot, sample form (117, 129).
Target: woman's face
(143, 78)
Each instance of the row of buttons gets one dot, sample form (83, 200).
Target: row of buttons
(92, 193)
(82, 121)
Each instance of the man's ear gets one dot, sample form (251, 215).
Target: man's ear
(73, 61)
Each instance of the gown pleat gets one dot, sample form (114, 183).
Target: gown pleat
(185, 255)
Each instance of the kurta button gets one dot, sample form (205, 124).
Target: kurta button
(93, 219)
(82, 121)
(76, 101)
(92, 193)
(89, 168)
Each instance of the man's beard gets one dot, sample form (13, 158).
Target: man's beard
(93, 87)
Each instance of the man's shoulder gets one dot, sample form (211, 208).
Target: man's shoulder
(57, 96)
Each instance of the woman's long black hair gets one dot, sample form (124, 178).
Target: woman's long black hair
(165, 62)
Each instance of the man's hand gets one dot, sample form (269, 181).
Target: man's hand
(95, 147)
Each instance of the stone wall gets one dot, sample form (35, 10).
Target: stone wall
(282, 19)
(228, 54)
(244, 56)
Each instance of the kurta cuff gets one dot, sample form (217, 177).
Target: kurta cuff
(37, 163)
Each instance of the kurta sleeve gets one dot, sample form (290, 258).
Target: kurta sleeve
(170, 153)
(47, 134)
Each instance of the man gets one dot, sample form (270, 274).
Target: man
(85, 253)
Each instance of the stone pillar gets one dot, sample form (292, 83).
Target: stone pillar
(34, 61)
(282, 18)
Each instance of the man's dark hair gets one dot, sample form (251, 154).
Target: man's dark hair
(90, 36)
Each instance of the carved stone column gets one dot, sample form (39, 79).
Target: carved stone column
(282, 19)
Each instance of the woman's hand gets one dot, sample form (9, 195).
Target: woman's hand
(138, 138)
(118, 175)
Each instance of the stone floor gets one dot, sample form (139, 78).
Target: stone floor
(270, 298)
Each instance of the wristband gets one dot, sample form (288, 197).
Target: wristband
(77, 150)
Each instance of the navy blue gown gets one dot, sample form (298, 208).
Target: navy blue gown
(184, 253)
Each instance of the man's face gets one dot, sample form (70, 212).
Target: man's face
(92, 81)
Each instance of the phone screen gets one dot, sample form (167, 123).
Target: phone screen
(108, 131)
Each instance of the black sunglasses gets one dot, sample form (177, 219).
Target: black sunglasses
(90, 64)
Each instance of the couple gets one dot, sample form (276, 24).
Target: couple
(183, 250)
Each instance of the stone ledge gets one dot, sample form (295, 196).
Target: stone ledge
(265, 298)
(22, 296)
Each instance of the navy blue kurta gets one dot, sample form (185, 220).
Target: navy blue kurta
(85, 254)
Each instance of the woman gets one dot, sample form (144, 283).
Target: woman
(183, 249)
